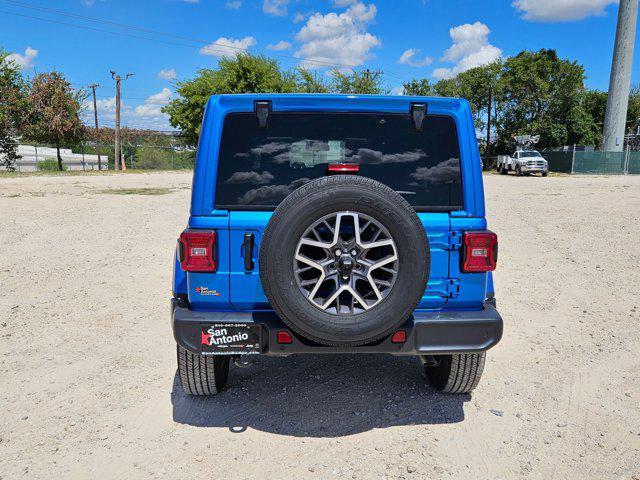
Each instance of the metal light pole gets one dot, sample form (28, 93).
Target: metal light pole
(620, 79)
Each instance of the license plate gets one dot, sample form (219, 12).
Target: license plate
(230, 338)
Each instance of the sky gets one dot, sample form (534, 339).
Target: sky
(166, 41)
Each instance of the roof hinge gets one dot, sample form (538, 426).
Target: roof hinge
(418, 111)
(262, 109)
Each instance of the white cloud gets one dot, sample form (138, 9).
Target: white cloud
(233, 5)
(23, 61)
(152, 105)
(397, 91)
(338, 38)
(167, 74)
(408, 58)
(560, 10)
(275, 7)
(300, 17)
(470, 48)
(106, 110)
(228, 47)
(147, 115)
(281, 45)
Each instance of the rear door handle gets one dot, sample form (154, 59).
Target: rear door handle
(248, 251)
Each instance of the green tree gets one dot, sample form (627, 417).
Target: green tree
(418, 86)
(541, 94)
(633, 112)
(594, 103)
(475, 85)
(245, 73)
(357, 82)
(310, 82)
(54, 112)
(13, 108)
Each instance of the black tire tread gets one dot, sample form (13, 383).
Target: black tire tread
(462, 372)
(200, 374)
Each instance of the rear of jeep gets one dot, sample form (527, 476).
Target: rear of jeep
(335, 224)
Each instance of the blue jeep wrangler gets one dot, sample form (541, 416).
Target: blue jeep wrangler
(335, 224)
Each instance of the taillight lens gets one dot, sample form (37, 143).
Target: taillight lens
(198, 251)
(480, 251)
(343, 168)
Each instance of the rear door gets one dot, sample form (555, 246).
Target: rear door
(245, 286)
(245, 234)
(259, 167)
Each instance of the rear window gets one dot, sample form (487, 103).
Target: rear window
(258, 168)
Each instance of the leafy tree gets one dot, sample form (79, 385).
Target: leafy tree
(541, 94)
(245, 73)
(310, 82)
(421, 87)
(358, 82)
(13, 107)
(633, 112)
(594, 104)
(54, 112)
(475, 85)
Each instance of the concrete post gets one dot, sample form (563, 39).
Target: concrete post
(620, 79)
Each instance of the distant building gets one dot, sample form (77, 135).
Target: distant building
(32, 155)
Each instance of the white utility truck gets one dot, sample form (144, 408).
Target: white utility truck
(524, 160)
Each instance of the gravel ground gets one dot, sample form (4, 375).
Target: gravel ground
(87, 358)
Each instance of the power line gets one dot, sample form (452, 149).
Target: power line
(223, 47)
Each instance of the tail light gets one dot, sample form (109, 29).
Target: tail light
(343, 168)
(197, 251)
(480, 251)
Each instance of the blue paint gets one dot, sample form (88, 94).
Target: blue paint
(447, 288)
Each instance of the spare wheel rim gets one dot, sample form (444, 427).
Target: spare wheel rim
(345, 263)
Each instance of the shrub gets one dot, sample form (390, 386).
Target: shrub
(162, 158)
(49, 165)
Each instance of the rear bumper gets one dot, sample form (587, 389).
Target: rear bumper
(427, 333)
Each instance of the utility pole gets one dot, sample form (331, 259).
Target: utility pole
(620, 80)
(487, 150)
(93, 87)
(118, 153)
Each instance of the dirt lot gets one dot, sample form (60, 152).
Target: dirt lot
(87, 359)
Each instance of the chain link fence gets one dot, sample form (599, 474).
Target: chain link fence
(91, 156)
(593, 162)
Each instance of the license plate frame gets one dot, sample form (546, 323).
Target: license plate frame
(231, 339)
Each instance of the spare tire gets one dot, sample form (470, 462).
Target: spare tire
(344, 260)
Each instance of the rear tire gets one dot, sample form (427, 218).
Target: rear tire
(456, 373)
(201, 374)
